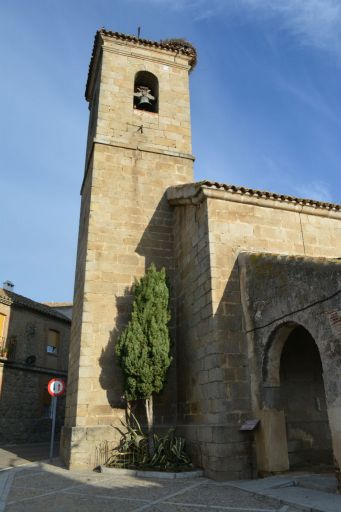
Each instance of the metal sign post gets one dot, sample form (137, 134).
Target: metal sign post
(55, 387)
(54, 411)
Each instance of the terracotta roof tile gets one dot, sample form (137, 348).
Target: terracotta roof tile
(11, 298)
(267, 195)
(172, 45)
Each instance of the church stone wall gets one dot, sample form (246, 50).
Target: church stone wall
(234, 227)
(129, 228)
(212, 381)
(126, 224)
(193, 297)
(215, 391)
(280, 293)
(118, 122)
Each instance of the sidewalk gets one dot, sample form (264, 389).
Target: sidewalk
(39, 486)
(310, 493)
(18, 454)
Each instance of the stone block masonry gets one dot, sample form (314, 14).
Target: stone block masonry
(126, 224)
(216, 383)
(139, 206)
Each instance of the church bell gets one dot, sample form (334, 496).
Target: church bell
(143, 96)
(144, 102)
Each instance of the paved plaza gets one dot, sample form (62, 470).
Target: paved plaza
(43, 487)
(30, 485)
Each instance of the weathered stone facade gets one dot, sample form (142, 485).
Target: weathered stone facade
(126, 223)
(26, 366)
(139, 206)
(214, 226)
(304, 294)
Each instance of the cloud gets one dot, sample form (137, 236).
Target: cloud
(318, 190)
(308, 95)
(314, 23)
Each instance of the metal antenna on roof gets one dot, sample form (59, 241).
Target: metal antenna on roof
(138, 32)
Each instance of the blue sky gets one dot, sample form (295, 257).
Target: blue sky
(265, 100)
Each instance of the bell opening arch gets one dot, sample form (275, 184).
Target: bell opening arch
(146, 92)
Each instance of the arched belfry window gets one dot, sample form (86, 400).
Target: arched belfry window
(146, 92)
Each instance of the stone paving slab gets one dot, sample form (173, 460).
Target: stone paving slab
(324, 483)
(61, 502)
(43, 487)
(212, 494)
(132, 487)
(296, 490)
(16, 455)
(308, 500)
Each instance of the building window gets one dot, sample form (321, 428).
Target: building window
(146, 92)
(53, 342)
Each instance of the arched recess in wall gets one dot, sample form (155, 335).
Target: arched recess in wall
(293, 363)
(273, 351)
(146, 92)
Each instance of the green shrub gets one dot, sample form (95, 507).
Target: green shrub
(132, 452)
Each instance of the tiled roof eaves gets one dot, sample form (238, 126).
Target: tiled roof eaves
(13, 299)
(262, 194)
(189, 51)
(58, 304)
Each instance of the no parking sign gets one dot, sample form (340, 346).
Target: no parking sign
(55, 387)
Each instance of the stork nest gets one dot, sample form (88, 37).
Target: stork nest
(181, 44)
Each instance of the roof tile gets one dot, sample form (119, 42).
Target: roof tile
(172, 45)
(11, 298)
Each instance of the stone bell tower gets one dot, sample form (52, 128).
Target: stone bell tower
(139, 143)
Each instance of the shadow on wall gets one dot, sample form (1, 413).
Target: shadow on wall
(156, 246)
(111, 379)
(208, 394)
(214, 386)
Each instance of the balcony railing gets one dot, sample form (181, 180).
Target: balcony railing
(7, 347)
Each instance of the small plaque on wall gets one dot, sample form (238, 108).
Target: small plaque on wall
(249, 425)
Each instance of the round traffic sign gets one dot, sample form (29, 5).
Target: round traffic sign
(56, 387)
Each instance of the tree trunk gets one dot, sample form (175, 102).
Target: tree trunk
(150, 422)
(130, 410)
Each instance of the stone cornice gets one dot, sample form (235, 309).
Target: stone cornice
(133, 147)
(195, 193)
(172, 53)
(156, 55)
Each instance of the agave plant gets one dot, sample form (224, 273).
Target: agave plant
(169, 451)
(132, 451)
(133, 446)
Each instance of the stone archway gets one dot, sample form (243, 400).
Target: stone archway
(303, 400)
(293, 412)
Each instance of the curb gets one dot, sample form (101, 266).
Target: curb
(171, 475)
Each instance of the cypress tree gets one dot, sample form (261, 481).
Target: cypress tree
(143, 349)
